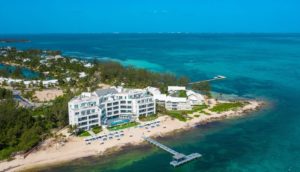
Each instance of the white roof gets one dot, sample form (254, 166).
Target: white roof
(88, 65)
(153, 90)
(74, 60)
(175, 88)
(58, 56)
(82, 74)
(31, 82)
(68, 79)
(176, 99)
(53, 81)
(160, 97)
(85, 96)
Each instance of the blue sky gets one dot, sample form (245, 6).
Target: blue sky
(96, 16)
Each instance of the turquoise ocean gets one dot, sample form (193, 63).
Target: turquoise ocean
(260, 66)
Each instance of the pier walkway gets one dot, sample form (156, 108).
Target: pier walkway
(208, 80)
(178, 158)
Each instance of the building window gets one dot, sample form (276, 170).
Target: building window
(142, 106)
(81, 119)
(82, 123)
(93, 116)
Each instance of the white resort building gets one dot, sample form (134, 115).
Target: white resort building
(110, 107)
(174, 101)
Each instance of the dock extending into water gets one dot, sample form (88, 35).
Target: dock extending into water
(219, 77)
(178, 158)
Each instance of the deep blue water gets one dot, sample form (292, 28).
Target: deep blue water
(263, 66)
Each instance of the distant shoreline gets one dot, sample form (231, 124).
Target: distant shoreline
(14, 40)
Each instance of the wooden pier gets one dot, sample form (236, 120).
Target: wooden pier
(219, 77)
(178, 158)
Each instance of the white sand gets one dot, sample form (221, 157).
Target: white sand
(50, 153)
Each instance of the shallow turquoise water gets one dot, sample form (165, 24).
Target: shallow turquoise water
(27, 73)
(257, 65)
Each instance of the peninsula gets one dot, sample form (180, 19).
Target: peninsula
(85, 108)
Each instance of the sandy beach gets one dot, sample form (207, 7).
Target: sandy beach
(51, 152)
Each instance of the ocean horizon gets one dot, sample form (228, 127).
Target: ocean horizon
(257, 65)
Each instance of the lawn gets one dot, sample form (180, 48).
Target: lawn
(84, 134)
(123, 126)
(199, 108)
(180, 115)
(222, 107)
(148, 118)
(97, 130)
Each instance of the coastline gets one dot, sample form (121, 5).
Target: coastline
(75, 148)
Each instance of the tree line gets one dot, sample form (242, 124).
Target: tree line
(22, 129)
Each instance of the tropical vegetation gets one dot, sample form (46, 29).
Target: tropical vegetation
(222, 107)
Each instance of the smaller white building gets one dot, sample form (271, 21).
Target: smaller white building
(194, 98)
(82, 74)
(26, 60)
(177, 103)
(88, 65)
(172, 102)
(176, 88)
(27, 83)
(58, 57)
(48, 83)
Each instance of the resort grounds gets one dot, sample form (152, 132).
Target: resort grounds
(56, 150)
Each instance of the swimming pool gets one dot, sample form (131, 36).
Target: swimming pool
(119, 122)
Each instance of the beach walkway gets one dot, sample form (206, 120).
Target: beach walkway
(91, 133)
(178, 158)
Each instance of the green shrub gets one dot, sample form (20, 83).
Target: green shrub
(148, 117)
(84, 134)
(97, 129)
(123, 126)
(222, 107)
(180, 115)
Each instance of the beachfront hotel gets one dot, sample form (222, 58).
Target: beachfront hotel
(110, 107)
